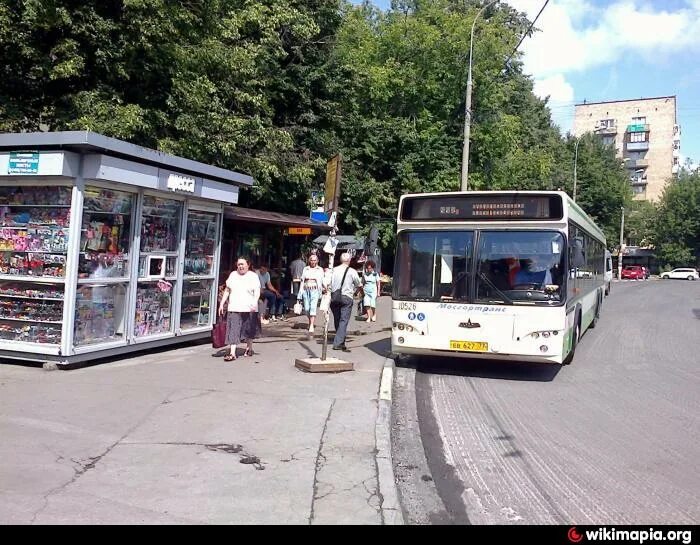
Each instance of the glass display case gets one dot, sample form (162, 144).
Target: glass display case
(34, 231)
(105, 234)
(99, 314)
(157, 271)
(199, 268)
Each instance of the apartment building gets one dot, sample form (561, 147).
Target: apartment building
(645, 134)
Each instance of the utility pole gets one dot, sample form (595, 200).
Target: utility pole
(578, 141)
(622, 239)
(464, 181)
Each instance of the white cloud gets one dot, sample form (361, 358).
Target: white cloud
(576, 35)
(561, 96)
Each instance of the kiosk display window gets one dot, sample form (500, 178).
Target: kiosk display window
(158, 260)
(196, 301)
(105, 233)
(201, 242)
(99, 314)
(34, 230)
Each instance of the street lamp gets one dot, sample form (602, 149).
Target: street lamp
(464, 183)
(578, 141)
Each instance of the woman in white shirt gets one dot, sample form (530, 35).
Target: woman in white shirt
(312, 286)
(243, 321)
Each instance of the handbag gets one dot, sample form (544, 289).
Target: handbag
(297, 308)
(218, 333)
(325, 302)
(337, 295)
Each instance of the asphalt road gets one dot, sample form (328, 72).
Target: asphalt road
(614, 438)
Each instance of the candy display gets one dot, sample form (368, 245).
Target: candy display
(153, 308)
(30, 333)
(105, 232)
(31, 311)
(26, 290)
(195, 304)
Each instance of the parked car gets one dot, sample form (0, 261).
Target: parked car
(633, 272)
(681, 274)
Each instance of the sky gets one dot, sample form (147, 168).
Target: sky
(599, 50)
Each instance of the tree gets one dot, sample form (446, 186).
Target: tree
(677, 229)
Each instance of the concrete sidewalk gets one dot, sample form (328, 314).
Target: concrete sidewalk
(178, 436)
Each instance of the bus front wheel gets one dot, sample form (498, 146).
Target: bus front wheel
(577, 333)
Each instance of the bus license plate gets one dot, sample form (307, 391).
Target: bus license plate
(469, 346)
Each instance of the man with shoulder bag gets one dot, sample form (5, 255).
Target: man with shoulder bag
(344, 282)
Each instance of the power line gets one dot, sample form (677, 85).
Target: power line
(526, 32)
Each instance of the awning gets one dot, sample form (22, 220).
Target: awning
(238, 213)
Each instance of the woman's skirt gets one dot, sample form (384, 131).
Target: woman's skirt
(242, 326)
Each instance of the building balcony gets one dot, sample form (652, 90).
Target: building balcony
(638, 127)
(606, 131)
(638, 180)
(637, 146)
(675, 169)
(636, 163)
(676, 152)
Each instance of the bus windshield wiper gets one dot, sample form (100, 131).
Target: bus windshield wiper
(486, 279)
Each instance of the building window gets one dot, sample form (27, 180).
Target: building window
(639, 189)
(639, 120)
(608, 140)
(638, 137)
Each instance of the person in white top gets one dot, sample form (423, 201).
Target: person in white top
(243, 321)
(312, 286)
(344, 280)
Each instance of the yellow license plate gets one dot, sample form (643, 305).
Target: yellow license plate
(469, 346)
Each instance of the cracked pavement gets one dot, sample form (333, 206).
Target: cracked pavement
(181, 437)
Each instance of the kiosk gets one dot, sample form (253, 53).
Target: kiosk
(105, 247)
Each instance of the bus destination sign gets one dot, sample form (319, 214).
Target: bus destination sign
(482, 207)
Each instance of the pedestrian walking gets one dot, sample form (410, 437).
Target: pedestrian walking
(243, 320)
(344, 282)
(370, 287)
(313, 285)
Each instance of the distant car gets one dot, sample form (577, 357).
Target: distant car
(681, 274)
(633, 272)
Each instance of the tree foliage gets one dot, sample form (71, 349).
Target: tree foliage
(276, 87)
(677, 229)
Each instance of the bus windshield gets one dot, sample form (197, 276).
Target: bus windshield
(520, 266)
(434, 265)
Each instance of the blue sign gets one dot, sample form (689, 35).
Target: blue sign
(23, 162)
(319, 215)
(421, 316)
(411, 315)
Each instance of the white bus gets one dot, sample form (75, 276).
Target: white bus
(514, 275)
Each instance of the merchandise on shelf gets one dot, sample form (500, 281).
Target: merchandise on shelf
(195, 304)
(160, 226)
(96, 316)
(31, 310)
(30, 291)
(23, 196)
(201, 242)
(153, 309)
(30, 333)
(105, 232)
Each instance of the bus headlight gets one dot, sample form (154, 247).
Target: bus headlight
(544, 348)
(401, 327)
(545, 334)
(535, 335)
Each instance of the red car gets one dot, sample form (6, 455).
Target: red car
(633, 272)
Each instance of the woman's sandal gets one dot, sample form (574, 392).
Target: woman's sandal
(248, 352)
(229, 357)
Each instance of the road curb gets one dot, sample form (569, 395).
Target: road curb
(392, 514)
